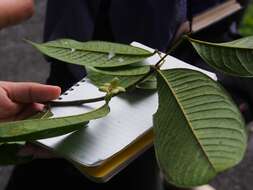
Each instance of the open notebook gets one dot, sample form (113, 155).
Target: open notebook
(109, 144)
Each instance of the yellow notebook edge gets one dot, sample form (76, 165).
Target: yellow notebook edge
(109, 168)
(118, 162)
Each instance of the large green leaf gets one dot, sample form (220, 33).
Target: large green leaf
(99, 46)
(199, 132)
(235, 58)
(33, 129)
(128, 70)
(99, 79)
(93, 53)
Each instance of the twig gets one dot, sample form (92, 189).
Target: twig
(152, 71)
(76, 102)
(178, 43)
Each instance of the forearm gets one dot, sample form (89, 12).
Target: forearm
(15, 11)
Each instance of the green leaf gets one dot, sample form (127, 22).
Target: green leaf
(246, 24)
(123, 71)
(234, 58)
(9, 154)
(99, 46)
(99, 79)
(199, 132)
(46, 113)
(44, 128)
(149, 84)
(94, 53)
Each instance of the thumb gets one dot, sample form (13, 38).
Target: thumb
(14, 11)
(27, 92)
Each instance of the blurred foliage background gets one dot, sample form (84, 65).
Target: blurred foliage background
(246, 28)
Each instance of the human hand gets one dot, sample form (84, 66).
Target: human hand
(15, 11)
(19, 100)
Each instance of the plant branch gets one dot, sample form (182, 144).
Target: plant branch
(161, 61)
(152, 71)
(177, 43)
(172, 49)
(76, 102)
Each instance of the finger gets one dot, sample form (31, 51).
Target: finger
(26, 92)
(25, 112)
(15, 11)
(28, 111)
(8, 108)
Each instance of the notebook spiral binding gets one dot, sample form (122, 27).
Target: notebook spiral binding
(72, 88)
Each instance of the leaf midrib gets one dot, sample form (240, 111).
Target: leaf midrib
(95, 51)
(187, 120)
(225, 44)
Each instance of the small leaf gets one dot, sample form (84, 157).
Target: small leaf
(149, 84)
(199, 132)
(49, 127)
(111, 89)
(124, 70)
(95, 54)
(234, 58)
(99, 79)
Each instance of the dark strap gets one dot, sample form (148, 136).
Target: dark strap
(189, 13)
